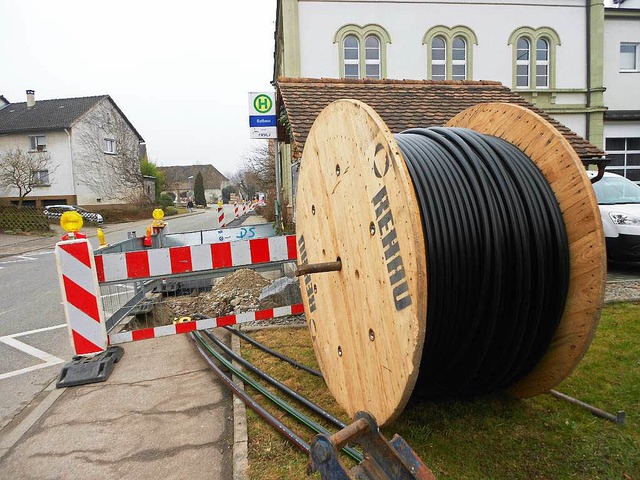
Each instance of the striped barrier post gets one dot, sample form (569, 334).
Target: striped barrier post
(221, 223)
(235, 207)
(81, 296)
(244, 208)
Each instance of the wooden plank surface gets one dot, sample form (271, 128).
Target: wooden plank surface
(355, 201)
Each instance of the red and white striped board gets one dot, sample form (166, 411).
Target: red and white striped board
(162, 262)
(235, 208)
(221, 223)
(244, 207)
(81, 296)
(204, 324)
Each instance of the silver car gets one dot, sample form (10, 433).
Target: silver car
(56, 211)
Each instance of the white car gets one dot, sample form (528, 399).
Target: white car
(619, 202)
(56, 211)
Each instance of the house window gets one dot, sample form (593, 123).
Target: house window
(438, 59)
(351, 57)
(523, 62)
(362, 51)
(41, 177)
(624, 156)
(629, 57)
(109, 145)
(459, 59)
(449, 53)
(534, 57)
(542, 63)
(372, 57)
(38, 143)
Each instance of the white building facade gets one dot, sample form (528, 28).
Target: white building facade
(90, 145)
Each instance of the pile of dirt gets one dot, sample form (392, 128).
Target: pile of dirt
(235, 293)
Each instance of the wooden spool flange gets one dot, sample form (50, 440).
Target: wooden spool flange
(356, 203)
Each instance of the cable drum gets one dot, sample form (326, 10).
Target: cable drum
(498, 252)
(472, 256)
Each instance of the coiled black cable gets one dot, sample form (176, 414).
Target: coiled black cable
(497, 259)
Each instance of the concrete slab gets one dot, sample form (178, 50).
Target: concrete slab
(162, 414)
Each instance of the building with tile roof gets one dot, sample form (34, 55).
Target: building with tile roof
(179, 181)
(571, 59)
(93, 150)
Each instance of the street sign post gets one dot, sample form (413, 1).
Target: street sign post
(263, 124)
(262, 116)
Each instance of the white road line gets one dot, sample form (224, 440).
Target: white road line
(49, 360)
(29, 350)
(15, 373)
(22, 334)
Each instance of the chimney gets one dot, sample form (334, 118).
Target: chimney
(31, 98)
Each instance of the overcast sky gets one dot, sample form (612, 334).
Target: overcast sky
(180, 71)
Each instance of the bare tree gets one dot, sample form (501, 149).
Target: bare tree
(109, 157)
(258, 173)
(25, 171)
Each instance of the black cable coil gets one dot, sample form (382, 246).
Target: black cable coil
(497, 260)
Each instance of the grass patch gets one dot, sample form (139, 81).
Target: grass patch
(491, 437)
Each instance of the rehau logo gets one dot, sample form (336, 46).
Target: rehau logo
(387, 231)
(307, 278)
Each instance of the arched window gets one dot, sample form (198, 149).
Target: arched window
(372, 56)
(523, 62)
(438, 58)
(351, 57)
(459, 59)
(449, 52)
(534, 57)
(542, 63)
(363, 51)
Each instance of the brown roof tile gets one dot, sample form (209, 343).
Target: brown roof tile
(403, 104)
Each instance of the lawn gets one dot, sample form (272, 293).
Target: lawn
(491, 437)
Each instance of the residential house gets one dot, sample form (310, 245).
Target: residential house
(93, 150)
(622, 79)
(179, 182)
(551, 54)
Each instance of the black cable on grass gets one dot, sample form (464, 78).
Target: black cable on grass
(270, 351)
(497, 256)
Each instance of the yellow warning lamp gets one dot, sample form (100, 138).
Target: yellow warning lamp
(158, 215)
(71, 222)
(220, 202)
(101, 238)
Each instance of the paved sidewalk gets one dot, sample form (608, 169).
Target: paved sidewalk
(161, 414)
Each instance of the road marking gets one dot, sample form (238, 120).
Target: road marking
(48, 359)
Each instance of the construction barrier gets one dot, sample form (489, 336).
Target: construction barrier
(102, 290)
(235, 209)
(221, 223)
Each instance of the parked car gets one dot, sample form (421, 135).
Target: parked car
(56, 211)
(619, 202)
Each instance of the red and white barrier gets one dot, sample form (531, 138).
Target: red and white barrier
(162, 262)
(81, 296)
(204, 324)
(235, 208)
(221, 223)
(244, 208)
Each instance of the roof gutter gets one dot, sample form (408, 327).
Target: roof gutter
(588, 44)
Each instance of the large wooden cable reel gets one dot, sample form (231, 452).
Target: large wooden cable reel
(367, 320)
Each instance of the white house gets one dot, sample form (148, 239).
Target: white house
(93, 150)
(550, 52)
(622, 80)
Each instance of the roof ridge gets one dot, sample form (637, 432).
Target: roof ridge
(387, 81)
(62, 99)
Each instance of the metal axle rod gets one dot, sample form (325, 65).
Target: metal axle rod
(619, 418)
(319, 268)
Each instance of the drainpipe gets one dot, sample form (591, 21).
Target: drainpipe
(73, 177)
(588, 43)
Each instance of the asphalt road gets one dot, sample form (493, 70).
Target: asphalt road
(34, 341)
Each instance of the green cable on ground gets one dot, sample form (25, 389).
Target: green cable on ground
(316, 427)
